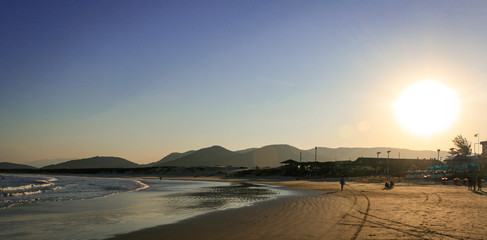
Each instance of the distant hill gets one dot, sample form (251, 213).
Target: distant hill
(94, 162)
(7, 165)
(170, 157)
(212, 156)
(44, 162)
(273, 155)
(246, 150)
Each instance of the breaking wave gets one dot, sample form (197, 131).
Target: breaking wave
(20, 189)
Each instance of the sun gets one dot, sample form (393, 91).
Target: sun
(427, 108)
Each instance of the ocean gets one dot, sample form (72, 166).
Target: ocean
(71, 207)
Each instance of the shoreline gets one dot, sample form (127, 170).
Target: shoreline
(235, 223)
(164, 202)
(361, 211)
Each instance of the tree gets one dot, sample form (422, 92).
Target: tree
(452, 152)
(462, 146)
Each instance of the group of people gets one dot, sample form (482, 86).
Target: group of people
(389, 185)
(474, 183)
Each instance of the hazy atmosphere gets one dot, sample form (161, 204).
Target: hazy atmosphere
(142, 79)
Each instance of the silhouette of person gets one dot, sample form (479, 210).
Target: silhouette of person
(342, 182)
(392, 184)
(387, 185)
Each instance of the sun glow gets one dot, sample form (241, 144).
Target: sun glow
(427, 108)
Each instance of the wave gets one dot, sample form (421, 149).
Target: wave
(141, 184)
(18, 189)
(25, 187)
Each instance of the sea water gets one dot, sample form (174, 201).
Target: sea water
(60, 207)
(23, 189)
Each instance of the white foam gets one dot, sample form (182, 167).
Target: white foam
(17, 189)
(25, 187)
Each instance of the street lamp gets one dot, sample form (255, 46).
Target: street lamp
(377, 163)
(388, 161)
(438, 154)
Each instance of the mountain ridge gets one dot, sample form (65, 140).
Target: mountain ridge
(94, 162)
(45, 162)
(170, 157)
(273, 155)
(211, 156)
(8, 165)
(266, 156)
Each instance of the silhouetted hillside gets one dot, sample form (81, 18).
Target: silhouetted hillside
(273, 155)
(246, 150)
(45, 162)
(170, 157)
(94, 162)
(7, 165)
(212, 156)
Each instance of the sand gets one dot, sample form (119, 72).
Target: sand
(361, 211)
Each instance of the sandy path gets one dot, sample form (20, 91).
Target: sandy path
(361, 211)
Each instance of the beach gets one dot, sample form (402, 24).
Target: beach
(74, 207)
(360, 211)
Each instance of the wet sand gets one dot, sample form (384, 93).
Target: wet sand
(361, 211)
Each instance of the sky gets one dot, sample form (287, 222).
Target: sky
(141, 79)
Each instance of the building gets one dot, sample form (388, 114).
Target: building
(392, 166)
(461, 163)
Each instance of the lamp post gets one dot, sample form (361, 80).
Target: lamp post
(388, 162)
(316, 152)
(438, 154)
(377, 163)
(478, 144)
(477, 152)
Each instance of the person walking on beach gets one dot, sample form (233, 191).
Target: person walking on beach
(342, 182)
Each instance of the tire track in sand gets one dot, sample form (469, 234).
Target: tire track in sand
(365, 214)
(408, 229)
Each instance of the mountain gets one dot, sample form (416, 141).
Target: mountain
(7, 165)
(273, 155)
(94, 162)
(45, 162)
(212, 156)
(170, 157)
(246, 150)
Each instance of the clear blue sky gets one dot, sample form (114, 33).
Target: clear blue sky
(141, 79)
